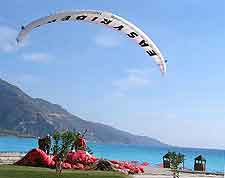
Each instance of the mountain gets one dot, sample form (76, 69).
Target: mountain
(23, 115)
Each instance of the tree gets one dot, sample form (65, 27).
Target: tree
(61, 146)
(176, 160)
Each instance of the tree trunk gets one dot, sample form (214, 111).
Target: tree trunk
(58, 167)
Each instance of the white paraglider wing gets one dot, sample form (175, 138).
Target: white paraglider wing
(107, 19)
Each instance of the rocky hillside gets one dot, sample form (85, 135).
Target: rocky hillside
(23, 115)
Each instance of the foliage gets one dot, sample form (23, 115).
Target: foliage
(62, 143)
(176, 160)
(56, 138)
(61, 146)
(67, 139)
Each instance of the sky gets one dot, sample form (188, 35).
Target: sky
(102, 76)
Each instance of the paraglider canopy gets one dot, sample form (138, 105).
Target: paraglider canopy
(104, 18)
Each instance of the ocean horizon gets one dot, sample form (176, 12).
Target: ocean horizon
(215, 158)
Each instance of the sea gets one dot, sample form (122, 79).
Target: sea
(215, 159)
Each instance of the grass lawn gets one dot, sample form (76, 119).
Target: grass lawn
(11, 171)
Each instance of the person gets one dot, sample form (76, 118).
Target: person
(41, 144)
(80, 142)
(48, 144)
(45, 144)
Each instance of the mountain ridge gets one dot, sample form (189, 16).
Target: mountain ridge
(22, 115)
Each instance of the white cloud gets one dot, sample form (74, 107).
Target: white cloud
(135, 79)
(37, 57)
(108, 39)
(8, 39)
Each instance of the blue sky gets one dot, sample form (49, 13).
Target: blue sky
(102, 76)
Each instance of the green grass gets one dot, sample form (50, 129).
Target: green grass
(11, 171)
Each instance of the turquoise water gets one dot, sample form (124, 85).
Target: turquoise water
(215, 158)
